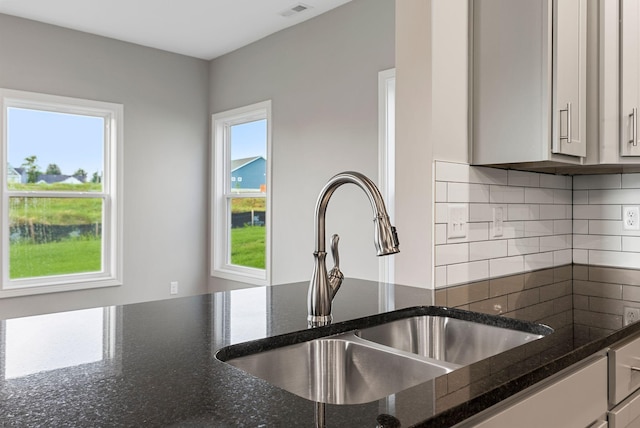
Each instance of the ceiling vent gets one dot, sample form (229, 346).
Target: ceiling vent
(294, 10)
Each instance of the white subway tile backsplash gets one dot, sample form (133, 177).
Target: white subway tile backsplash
(440, 234)
(523, 246)
(631, 181)
(614, 259)
(441, 191)
(581, 256)
(535, 195)
(597, 242)
(631, 244)
(506, 266)
(600, 181)
(562, 227)
(465, 192)
(580, 197)
(555, 242)
(467, 272)
(538, 261)
(481, 212)
(581, 227)
(553, 212)
(597, 212)
(553, 181)
(441, 213)
(614, 196)
(562, 257)
(484, 250)
(538, 228)
(441, 276)
(562, 196)
(524, 179)
(506, 195)
(449, 254)
(523, 212)
(511, 229)
(605, 227)
(548, 220)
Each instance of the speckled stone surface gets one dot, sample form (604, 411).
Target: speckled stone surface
(158, 365)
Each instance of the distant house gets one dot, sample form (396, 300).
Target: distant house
(13, 176)
(58, 178)
(249, 173)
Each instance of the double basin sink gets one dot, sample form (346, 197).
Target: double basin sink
(370, 358)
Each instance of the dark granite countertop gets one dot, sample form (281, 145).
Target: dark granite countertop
(153, 364)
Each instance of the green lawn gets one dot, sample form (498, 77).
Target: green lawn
(248, 246)
(55, 258)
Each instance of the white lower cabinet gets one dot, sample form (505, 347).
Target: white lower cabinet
(624, 384)
(575, 397)
(626, 414)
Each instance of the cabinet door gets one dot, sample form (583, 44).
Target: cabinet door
(570, 85)
(629, 77)
(574, 398)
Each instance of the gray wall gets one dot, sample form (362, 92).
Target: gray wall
(322, 77)
(166, 135)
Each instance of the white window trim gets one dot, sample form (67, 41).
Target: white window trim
(112, 231)
(221, 172)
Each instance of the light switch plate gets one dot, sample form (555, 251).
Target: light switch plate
(457, 221)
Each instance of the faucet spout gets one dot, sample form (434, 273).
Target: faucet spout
(323, 286)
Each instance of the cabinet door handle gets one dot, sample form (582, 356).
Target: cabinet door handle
(633, 119)
(568, 135)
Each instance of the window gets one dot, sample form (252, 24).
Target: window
(60, 205)
(240, 240)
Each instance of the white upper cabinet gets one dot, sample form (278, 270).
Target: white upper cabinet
(528, 81)
(629, 77)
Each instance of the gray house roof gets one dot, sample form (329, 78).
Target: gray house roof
(239, 163)
(57, 178)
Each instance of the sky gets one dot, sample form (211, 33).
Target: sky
(249, 139)
(75, 141)
(69, 141)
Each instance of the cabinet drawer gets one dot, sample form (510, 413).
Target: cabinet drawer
(627, 414)
(574, 398)
(624, 371)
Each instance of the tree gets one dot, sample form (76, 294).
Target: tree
(81, 174)
(53, 169)
(33, 170)
(96, 178)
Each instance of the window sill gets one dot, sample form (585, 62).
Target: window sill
(30, 290)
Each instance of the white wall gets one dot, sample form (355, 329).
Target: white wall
(431, 120)
(322, 77)
(165, 99)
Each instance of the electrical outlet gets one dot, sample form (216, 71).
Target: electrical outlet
(498, 219)
(457, 221)
(631, 315)
(174, 287)
(631, 218)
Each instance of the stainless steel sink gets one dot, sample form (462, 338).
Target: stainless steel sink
(447, 339)
(341, 369)
(367, 359)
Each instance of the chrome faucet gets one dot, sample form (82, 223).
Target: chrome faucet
(324, 286)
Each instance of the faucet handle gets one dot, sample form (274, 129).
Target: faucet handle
(335, 275)
(334, 250)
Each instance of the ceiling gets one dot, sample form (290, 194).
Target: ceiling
(199, 28)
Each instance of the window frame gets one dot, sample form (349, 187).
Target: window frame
(221, 194)
(111, 194)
